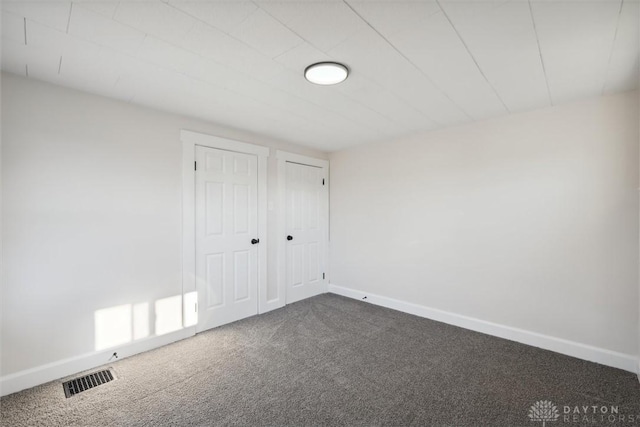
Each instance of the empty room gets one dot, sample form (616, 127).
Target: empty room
(320, 212)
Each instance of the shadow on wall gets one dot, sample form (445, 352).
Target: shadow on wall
(122, 324)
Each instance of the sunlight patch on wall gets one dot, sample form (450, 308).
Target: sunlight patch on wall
(140, 320)
(168, 314)
(122, 324)
(112, 326)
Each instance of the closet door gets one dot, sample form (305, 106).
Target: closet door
(226, 236)
(306, 231)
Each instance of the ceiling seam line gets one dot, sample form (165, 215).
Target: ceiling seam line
(308, 121)
(473, 58)
(112, 18)
(407, 103)
(115, 11)
(288, 28)
(406, 58)
(613, 45)
(544, 68)
(322, 125)
(69, 19)
(245, 18)
(316, 123)
(331, 57)
(351, 121)
(226, 33)
(498, 6)
(400, 98)
(324, 52)
(285, 52)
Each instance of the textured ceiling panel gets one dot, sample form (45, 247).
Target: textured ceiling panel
(414, 65)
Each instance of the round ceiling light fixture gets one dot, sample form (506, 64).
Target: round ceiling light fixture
(326, 73)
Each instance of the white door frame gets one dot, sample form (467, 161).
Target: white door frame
(189, 141)
(284, 157)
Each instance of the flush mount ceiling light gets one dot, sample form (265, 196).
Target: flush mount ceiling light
(326, 73)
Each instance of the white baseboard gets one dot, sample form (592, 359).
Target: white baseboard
(623, 361)
(52, 371)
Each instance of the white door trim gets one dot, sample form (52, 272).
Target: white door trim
(189, 141)
(283, 157)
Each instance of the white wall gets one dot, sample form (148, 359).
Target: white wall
(92, 215)
(528, 221)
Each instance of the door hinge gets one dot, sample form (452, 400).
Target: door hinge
(322, 181)
(195, 166)
(322, 276)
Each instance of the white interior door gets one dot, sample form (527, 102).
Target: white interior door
(226, 236)
(306, 231)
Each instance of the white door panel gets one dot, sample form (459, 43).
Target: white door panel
(226, 223)
(306, 241)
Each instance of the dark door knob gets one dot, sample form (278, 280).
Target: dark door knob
(289, 237)
(254, 241)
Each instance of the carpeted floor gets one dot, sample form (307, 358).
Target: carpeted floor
(335, 361)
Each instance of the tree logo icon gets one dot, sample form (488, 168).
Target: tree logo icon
(544, 410)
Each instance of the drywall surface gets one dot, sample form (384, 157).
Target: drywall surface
(92, 221)
(528, 221)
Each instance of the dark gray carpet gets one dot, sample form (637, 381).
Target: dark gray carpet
(335, 361)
